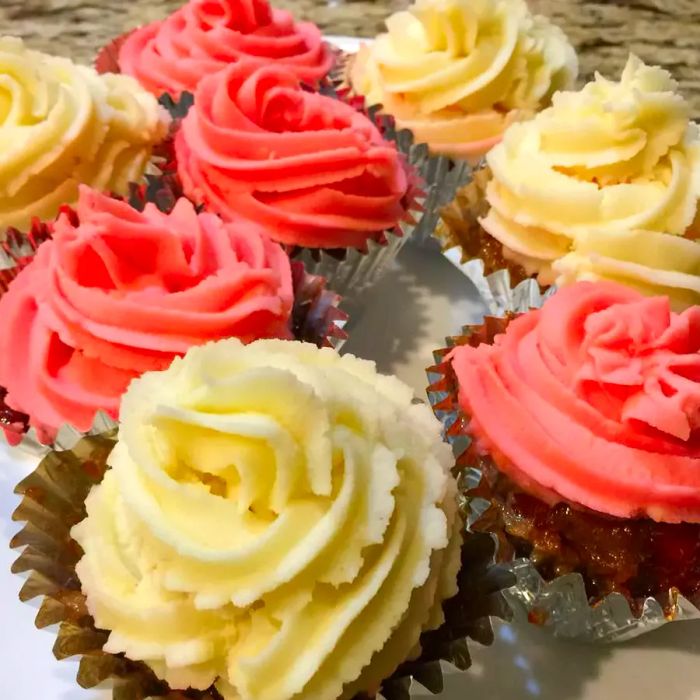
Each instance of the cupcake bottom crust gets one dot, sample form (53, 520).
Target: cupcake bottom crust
(638, 558)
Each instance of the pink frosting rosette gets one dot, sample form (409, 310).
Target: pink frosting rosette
(310, 168)
(601, 389)
(204, 36)
(117, 292)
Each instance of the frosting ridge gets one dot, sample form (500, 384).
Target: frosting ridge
(457, 72)
(62, 124)
(619, 156)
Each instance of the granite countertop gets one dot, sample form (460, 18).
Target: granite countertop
(660, 31)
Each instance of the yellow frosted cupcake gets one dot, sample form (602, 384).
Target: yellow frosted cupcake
(278, 522)
(62, 124)
(457, 73)
(603, 185)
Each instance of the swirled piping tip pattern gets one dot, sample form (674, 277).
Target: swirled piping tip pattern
(205, 36)
(278, 520)
(604, 185)
(117, 292)
(457, 73)
(312, 169)
(62, 124)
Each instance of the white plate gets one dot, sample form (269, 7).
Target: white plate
(420, 302)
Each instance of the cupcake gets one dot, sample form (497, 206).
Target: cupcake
(117, 292)
(274, 521)
(204, 36)
(62, 125)
(594, 474)
(457, 73)
(603, 185)
(314, 171)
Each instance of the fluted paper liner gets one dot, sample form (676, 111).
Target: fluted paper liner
(53, 501)
(562, 604)
(315, 318)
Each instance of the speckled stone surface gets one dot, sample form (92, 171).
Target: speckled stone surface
(660, 31)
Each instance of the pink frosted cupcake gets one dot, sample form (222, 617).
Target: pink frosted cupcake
(313, 170)
(118, 292)
(204, 36)
(582, 420)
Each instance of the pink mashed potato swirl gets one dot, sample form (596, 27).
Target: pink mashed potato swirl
(206, 35)
(124, 292)
(310, 168)
(594, 399)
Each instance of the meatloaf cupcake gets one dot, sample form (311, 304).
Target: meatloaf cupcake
(603, 185)
(117, 292)
(62, 124)
(204, 36)
(457, 73)
(274, 522)
(584, 424)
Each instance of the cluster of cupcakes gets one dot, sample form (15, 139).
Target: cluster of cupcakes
(241, 499)
(266, 519)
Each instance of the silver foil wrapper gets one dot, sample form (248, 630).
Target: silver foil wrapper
(560, 605)
(17, 248)
(443, 177)
(66, 438)
(496, 291)
(352, 272)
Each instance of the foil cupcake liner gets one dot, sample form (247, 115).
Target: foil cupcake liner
(562, 604)
(352, 272)
(316, 314)
(442, 176)
(53, 501)
(497, 291)
(107, 58)
(17, 249)
(463, 239)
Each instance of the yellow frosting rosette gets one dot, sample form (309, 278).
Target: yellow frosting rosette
(62, 124)
(604, 184)
(278, 520)
(458, 72)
